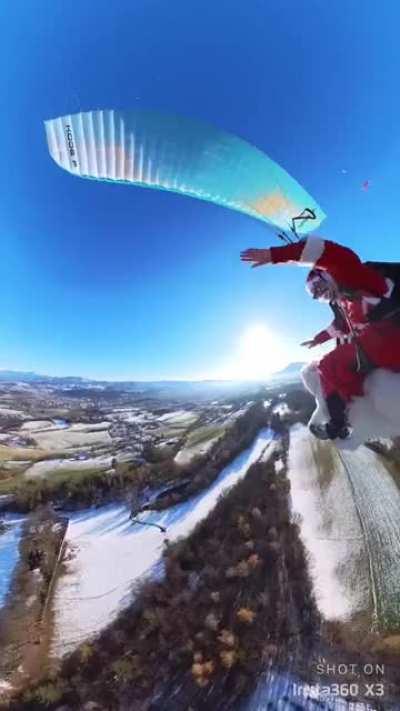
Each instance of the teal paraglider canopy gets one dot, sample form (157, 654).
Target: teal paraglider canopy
(167, 152)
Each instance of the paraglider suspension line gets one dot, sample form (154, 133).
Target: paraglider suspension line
(285, 238)
(306, 214)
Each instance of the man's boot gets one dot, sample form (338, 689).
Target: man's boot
(337, 426)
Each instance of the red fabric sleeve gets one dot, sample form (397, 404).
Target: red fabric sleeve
(348, 270)
(322, 337)
(288, 253)
(340, 262)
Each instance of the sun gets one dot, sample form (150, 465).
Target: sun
(260, 352)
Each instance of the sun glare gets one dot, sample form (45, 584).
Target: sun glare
(260, 352)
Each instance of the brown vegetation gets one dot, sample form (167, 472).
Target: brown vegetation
(233, 592)
(21, 618)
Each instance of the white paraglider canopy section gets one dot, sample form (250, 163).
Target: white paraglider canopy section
(150, 149)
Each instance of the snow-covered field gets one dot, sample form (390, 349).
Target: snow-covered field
(377, 498)
(208, 437)
(107, 554)
(331, 531)
(38, 425)
(179, 417)
(9, 551)
(186, 454)
(350, 509)
(59, 440)
(54, 466)
(7, 411)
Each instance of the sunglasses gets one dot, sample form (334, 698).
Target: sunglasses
(319, 289)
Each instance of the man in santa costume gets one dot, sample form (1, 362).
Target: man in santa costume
(366, 305)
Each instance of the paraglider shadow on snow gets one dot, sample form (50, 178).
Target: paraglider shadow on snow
(200, 504)
(377, 414)
(115, 518)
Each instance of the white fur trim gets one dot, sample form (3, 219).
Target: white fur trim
(312, 382)
(332, 331)
(367, 302)
(376, 414)
(390, 287)
(371, 300)
(312, 251)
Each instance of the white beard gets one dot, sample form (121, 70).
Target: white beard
(376, 414)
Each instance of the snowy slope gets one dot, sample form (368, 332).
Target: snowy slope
(350, 508)
(377, 497)
(107, 554)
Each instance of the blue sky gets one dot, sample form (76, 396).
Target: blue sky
(110, 281)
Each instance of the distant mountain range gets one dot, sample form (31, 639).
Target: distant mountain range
(291, 370)
(20, 376)
(157, 388)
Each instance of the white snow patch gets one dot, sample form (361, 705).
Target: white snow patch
(330, 528)
(30, 600)
(139, 418)
(53, 466)
(58, 440)
(5, 685)
(107, 554)
(179, 417)
(282, 409)
(188, 452)
(234, 415)
(349, 505)
(384, 441)
(90, 427)
(9, 411)
(37, 425)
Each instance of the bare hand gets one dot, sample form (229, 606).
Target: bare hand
(258, 256)
(309, 344)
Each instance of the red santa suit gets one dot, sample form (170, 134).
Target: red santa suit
(361, 289)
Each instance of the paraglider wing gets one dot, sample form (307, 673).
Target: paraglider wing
(167, 152)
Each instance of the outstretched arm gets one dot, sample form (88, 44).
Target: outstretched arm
(333, 331)
(340, 262)
(273, 255)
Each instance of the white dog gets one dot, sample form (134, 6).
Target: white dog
(377, 414)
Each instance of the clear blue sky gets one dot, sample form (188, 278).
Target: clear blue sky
(111, 281)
